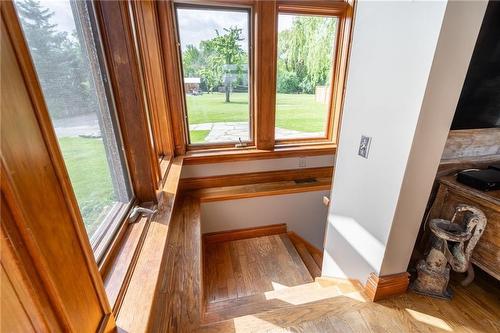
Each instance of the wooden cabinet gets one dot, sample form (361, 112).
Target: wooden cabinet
(486, 255)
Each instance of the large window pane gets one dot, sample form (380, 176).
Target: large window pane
(305, 61)
(215, 61)
(61, 38)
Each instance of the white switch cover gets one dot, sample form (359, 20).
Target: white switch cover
(364, 146)
(302, 162)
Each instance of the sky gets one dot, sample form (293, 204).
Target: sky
(196, 25)
(63, 15)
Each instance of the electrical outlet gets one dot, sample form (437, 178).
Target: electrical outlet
(302, 162)
(364, 146)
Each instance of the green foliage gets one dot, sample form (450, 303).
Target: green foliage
(298, 112)
(288, 82)
(211, 60)
(59, 62)
(198, 136)
(87, 166)
(305, 50)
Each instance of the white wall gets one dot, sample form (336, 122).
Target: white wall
(449, 68)
(391, 59)
(304, 213)
(227, 168)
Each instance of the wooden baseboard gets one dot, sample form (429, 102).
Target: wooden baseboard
(230, 235)
(378, 288)
(254, 178)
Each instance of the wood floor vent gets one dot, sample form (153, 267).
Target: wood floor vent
(305, 181)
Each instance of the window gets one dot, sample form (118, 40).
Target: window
(215, 54)
(63, 42)
(305, 61)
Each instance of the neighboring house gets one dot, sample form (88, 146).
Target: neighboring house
(191, 84)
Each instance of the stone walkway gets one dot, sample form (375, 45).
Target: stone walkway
(87, 125)
(231, 131)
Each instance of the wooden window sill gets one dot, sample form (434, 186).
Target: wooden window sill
(137, 250)
(252, 153)
(261, 189)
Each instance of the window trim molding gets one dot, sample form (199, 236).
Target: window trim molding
(341, 11)
(264, 53)
(236, 6)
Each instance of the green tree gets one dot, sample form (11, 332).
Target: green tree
(192, 61)
(305, 54)
(229, 53)
(64, 78)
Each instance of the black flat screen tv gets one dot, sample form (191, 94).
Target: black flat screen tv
(479, 103)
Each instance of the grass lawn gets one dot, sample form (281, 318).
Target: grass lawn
(198, 136)
(86, 158)
(88, 170)
(298, 112)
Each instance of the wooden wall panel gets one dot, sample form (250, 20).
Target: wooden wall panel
(265, 73)
(36, 188)
(472, 143)
(14, 315)
(153, 70)
(172, 71)
(114, 19)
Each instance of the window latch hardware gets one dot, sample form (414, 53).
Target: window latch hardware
(140, 211)
(241, 144)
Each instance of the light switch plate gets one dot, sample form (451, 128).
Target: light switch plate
(302, 162)
(364, 146)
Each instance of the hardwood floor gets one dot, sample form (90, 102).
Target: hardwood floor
(240, 268)
(240, 298)
(473, 309)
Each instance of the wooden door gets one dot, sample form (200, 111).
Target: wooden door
(50, 281)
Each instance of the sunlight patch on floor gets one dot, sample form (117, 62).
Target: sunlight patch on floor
(278, 286)
(429, 320)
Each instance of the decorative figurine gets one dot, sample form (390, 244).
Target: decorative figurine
(452, 243)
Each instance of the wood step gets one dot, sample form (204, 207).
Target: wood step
(325, 315)
(245, 267)
(282, 298)
(312, 257)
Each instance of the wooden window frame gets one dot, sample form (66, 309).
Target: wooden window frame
(263, 85)
(338, 10)
(144, 16)
(218, 5)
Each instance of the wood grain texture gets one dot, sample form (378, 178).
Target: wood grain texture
(231, 235)
(173, 72)
(254, 177)
(240, 268)
(473, 309)
(118, 43)
(447, 167)
(178, 295)
(285, 297)
(472, 143)
(153, 71)
(316, 253)
(53, 246)
(265, 73)
(136, 308)
(121, 265)
(311, 264)
(451, 193)
(260, 189)
(248, 154)
(378, 288)
(14, 316)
